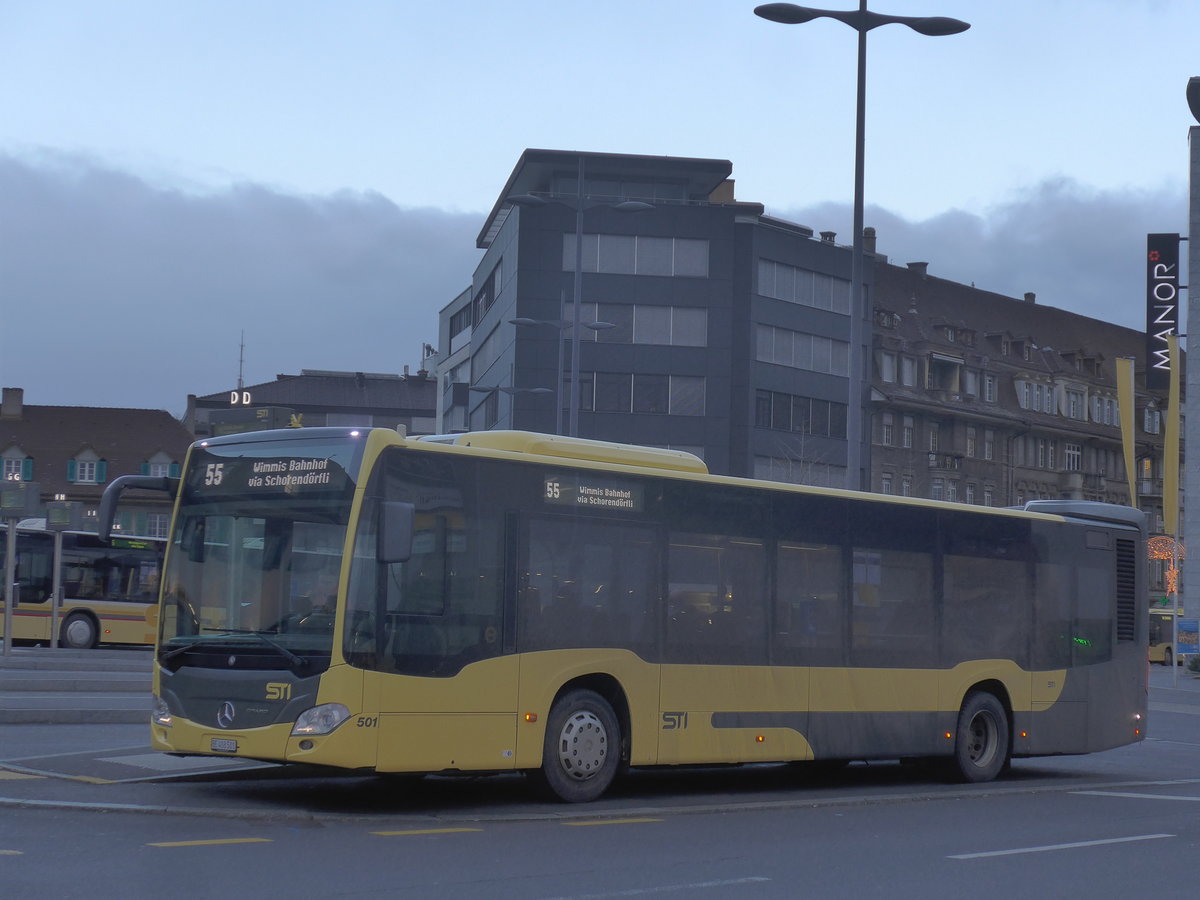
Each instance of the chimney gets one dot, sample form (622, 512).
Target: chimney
(921, 268)
(828, 236)
(869, 240)
(1030, 297)
(12, 402)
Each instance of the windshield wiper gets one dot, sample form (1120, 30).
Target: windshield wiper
(294, 659)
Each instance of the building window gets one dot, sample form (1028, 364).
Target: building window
(906, 434)
(804, 415)
(936, 487)
(971, 441)
(908, 371)
(1152, 421)
(780, 281)
(12, 469)
(621, 392)
(1075, 405)
(85, 472)
(934, 437)
(886, 432)
(885, 484)
(952, 491)
(887, 367)
(970, 382)
(156, 524)
(799, 350)
(627, 254)
(971, 493)
(677, 326)
(906, 486)
(989, 444)
(989, 388)
(987, 497)
(1041, 453)
(1073, 457)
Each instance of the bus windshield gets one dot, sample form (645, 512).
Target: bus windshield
(256, 549)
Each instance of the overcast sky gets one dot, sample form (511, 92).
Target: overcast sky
(313, 175)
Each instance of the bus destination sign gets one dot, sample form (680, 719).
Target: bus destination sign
(584, 489)
(215, 477)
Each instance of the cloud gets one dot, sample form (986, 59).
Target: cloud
(117, 292)
(1077, 248)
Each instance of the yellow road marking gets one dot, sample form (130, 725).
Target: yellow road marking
(211, 843)
(425, 831)
(612, 822)
(16, 776)
(12, 852)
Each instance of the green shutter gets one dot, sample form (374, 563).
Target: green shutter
(173, 470)
(27, 469)
(101, 471)
(145, 468)
(71, 470)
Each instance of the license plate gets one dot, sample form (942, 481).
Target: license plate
(223, 745)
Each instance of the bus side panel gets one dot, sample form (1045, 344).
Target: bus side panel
(874, 713)
(714, 714)
(466, 722)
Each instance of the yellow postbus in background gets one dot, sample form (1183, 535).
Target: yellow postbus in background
(507, 601)
(109, 588)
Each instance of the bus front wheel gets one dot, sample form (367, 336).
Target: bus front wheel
(582, 748)
(78, 632)
(981, 747)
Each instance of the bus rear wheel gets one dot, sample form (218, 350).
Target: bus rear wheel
(981, 746)
(78, 632)
(582, 748)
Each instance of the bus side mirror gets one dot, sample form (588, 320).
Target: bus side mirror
(395, 533)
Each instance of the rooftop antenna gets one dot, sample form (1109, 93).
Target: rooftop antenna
(241, 360)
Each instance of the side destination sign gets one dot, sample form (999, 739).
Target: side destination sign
(583, 489)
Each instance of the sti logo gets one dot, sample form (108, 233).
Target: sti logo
(279, 690)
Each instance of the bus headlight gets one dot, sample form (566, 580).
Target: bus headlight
(321, 719)
(160, 715)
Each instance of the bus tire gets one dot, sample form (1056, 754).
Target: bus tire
(78, 632)
(1168, 657)
(981, 745)
(582, 748)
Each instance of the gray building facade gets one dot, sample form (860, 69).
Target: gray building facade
(707, 326)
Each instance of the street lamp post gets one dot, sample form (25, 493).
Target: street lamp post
(861, 20)
(579, 205)
(560, 325)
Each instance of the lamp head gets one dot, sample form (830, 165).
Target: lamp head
(936, 26)
(786, 13)
(1193, 96)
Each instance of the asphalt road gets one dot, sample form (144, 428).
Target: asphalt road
(1108, 824)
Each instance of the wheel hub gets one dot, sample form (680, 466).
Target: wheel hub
(583, 745)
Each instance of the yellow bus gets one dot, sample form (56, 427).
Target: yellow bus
(109, 588)
(513, 601)
(1163, 635)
